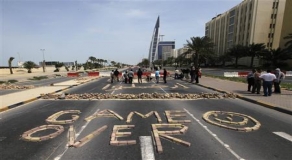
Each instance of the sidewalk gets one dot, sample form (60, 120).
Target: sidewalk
(281, 102)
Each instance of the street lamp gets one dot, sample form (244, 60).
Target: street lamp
(43, 64)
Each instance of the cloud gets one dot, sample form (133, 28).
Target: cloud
(135, 13)
(94, 30)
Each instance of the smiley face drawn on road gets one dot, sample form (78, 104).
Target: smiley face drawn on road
(232, 120)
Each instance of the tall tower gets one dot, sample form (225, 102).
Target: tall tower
(154, 44)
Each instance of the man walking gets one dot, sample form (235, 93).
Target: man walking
(131, 75)
(250, 80)
(192, 74)
(279, 77)
(157, 75)
(112, 76)
(139, 74)
(257, 82)
(268, 80)
(164, 75)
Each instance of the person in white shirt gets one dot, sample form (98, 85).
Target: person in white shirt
(268, 80)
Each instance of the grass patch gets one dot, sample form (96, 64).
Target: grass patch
(9, 81)
(12, 81)
(38, 78)
(288, 86)
(1, 82)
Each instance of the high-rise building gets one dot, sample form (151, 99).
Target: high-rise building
(153, 55)
(164, 48)
(251, 21)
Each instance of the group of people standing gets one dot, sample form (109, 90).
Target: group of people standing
(255, 80)
(127, 76)
(194, 73)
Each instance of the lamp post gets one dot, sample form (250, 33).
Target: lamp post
(43, 64)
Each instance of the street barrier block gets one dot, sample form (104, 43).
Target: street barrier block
(93, 73)
(72, 74)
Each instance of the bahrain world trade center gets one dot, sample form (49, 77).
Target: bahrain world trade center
(153, 50)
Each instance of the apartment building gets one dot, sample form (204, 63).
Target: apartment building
(251, 21)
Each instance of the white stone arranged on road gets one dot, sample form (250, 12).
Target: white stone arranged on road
(155, 95)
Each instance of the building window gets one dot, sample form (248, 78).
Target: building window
(273, 25)
(275, 15)
(274, 4)
(272, 16)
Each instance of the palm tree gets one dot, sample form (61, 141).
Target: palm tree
(237, 52)
(58, 66)
(254, 50)
(10, 64)
(199, 46)
(224, 58)
(29, 65)
(92, 59)
(275, 56)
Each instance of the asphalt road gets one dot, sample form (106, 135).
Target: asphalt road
(207, 141)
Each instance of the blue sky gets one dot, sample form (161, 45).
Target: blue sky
(118, 30)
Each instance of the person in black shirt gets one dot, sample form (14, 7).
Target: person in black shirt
(139, 74)
(164, 75)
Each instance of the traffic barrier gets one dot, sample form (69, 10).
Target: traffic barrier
(242, 74)
(231, 74)
(288, 73)
(93, 73)
(72, 74)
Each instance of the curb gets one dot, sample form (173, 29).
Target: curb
(36, 98)
(270, 106)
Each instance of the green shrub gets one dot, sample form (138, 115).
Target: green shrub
(12, 81)
(1, 82)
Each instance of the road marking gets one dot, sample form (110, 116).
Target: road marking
(105, 87)
(147, 152)
(284, 135)
(215, 136)
(175, 86)
(133, 85)
(182, 85)
(163, 90)
(66, 148)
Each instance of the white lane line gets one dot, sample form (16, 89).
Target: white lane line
(66, 148)
(146, 144)
(105, 87)
(163, 90)
(284, 135)
(182, 85)
(215, 136)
